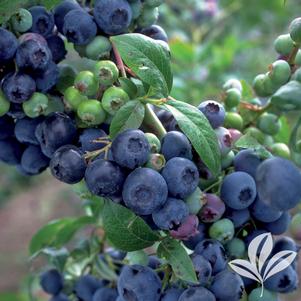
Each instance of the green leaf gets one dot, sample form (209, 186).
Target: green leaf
(103, 270)
(57, 257)
(129, 87)
(294, 136)
(147, 59)
(247, 141)
(56, 233)
(247, 90)
(197, 128)
(283, 135)
(176, 255)
(125, 230)
(129, 116)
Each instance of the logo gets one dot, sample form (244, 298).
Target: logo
(261, 266)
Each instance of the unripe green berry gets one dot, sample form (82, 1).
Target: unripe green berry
(107, 72)
(255, 133)
(86, 83)
(295, 227)
(55, 104)
(258, 85)
(222, 230)
(295, 30)
(297, 75)
(268, 140)
(228, 160)
(113, 99)
(98, 48)
(36, 105)
(22, 20)
(153, 3)
(4, 104)
(284, 44)
(281, 150)
(136, 7)
(269, 123)
(154, 142)
(195, 201)
(280, 72)
(232, 98)
(255, 295)
(148, 17)
(156, 162)
(91, 112)
(236, 248)
(73, 98)
(232, 83)
(269, 86)
(298, 58)
(234, 121)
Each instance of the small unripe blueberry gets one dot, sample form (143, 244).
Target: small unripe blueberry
(222, 230)
(195, 201)
(295, 30)
(22, 20)
(236, 248)
(295, 226)
(269, 123)
(148, 17)
(232, 98)
(154, 142)
(36, 105)
(255, 133)
(91, 112)
(4, 104)
(233, 120)
(98, 48)
(284, 44)
(86, 83)
(107, 72)
(233, 83)
(113, 99)
(224, 140)
(156, 162)
(73, 98)
(280, 72)
(280, 150)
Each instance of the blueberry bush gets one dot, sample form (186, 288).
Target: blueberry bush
(172, 192)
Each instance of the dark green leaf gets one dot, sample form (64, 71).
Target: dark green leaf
(247, 91)
(103, 270)
(57, 257)
(197, 128)
(129, 116)
(125, 230)
(147, 59)
(175, 254)
(129, 87)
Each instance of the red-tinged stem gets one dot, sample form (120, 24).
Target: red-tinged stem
(119, 61)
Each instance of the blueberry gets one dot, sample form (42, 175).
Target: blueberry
(222, 230)
(176, 144)
(42, 21)
(8, 45)
(201, 234)
(32, 56)
(213, 209)
(10, 151)
(187, 229)
(60, 297)
(56, 130)
(86, 286)
(214, 252)
(227, 285)
(61, 10)
(18, 87)
(25, 130)
(285, 243)
(246, 161)
(214, 112)
(202, 268)
(34, 37)
(33, 161)
(155, 32)
(263, 212)
(256, 295)
(285, 281)
(235, 248)
(104, 178)
(52, 282)
(21, 21)
(167, 120)
(224, 140)
(195, 201)
(171, 215)
(144, 191)
(181, 176)
(68, 164)
(57, 47)
(108, 72)
(278, 183)
(238, 190)
(105, 294)
(238, 217)
(16, 111)
(130, 148)
(139, 283)
(79, 27)
(7, 126)
(280, 225)
(88, 137)
(113, 17)
(171, 294)
(197, 294)
(48, 78)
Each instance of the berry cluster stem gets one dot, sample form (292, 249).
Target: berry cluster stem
(119, 61)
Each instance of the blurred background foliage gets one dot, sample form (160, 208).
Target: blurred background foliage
(210, 42)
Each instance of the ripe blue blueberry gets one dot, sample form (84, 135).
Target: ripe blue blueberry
(238, 217)
(171, 215)
(144, 191)
(168, 121)
(88, 137)
(42, 21)
(155, 32)
(280, 225)
(113, 17)
(214, 112)
(202, 268)
(48, 78)
(60, 297)
(7, 126)
(263, 212)
(57, 47)
(52, 282)
(25, 130)
(79, 27)
(86, 286)
(10, 151)
(285, 243)
(238, 190)
(181, 176)
(18, 87)
(68, 164)
(246, 161)
(171, 294)
(104, 178)
(138, 282)
(214, 252)
(176, 144)
(16, 111)
(130, 148)
(56, 130)
(8, 45)
(197, 294)
(227, 285)
(201, 234)
(105, 294)
(278, 183)
(33, 161)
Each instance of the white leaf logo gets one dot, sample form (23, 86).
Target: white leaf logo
(258, 268)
